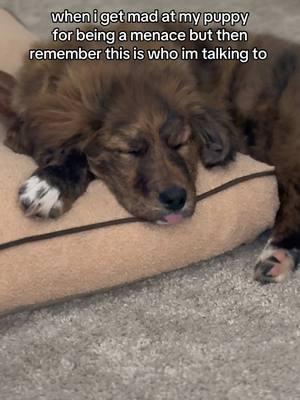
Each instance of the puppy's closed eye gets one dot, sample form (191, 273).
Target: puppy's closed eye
(129, 152)
(181, 145)
(132, 147)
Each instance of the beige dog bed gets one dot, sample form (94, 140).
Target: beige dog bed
(43, 262)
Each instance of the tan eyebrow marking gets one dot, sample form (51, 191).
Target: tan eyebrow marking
(175, 131)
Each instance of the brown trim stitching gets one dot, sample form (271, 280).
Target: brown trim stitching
(129, 220)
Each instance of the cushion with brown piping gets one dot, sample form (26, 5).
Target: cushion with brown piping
(97, 245)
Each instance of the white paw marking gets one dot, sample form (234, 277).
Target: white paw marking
(38, 198)
(274, 264)
(267, 251)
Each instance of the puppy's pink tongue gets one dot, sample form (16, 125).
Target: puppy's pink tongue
(173, 218)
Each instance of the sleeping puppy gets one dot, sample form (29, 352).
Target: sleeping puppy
(142, 126)
(139, 126)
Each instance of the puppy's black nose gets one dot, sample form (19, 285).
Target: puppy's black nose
(173, 198)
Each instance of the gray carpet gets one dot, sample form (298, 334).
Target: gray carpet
(205, 332)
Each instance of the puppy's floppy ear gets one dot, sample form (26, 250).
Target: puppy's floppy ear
(7, 84)
(216, 137)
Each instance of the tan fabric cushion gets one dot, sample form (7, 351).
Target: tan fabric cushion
(50, 270)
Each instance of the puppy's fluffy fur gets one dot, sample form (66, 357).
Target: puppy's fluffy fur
(141, 126)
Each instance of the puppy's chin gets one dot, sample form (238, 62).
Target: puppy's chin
(171, 219)
(176, 217)
(154, 212)
(163, 217)
(148, 209)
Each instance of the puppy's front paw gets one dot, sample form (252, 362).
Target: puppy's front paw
(274, 265)
(38, 198)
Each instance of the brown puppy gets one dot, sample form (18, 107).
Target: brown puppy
(141, 126)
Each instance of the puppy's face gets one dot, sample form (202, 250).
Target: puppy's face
(150, 165)
(147, 149)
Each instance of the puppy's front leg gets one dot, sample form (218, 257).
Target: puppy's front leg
(282, 253)
(52, 189)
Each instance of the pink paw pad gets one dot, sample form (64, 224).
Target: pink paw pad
(274, 265)
(281, 268)
(280, 255)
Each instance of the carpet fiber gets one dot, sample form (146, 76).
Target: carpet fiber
(205, 332)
